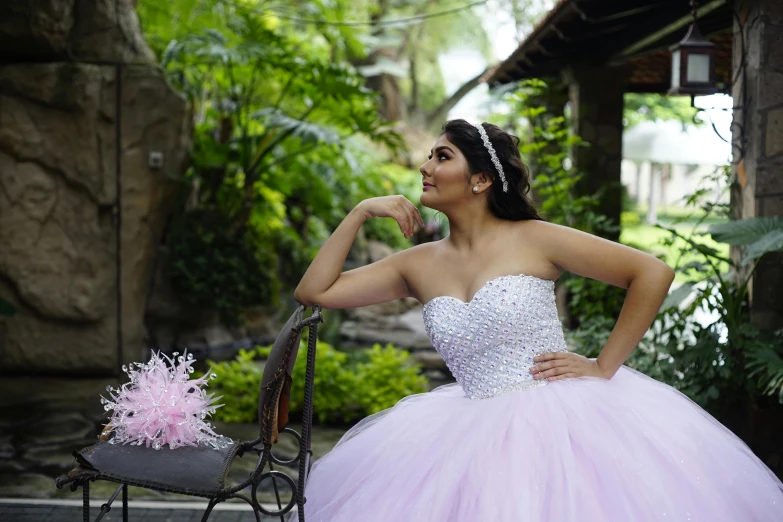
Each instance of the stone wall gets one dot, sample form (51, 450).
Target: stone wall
(758, 140)
(81, 213)
(71, 30)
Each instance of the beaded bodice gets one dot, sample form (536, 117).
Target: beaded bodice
(489, 342)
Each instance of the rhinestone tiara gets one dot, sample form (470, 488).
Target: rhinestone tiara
(492, 154)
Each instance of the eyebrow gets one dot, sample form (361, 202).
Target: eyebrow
(441, 148)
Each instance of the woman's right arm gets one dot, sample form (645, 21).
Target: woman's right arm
(379, 282)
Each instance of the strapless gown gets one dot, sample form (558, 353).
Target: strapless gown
(500, 446)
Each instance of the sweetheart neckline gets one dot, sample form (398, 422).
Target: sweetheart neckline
(482, 287)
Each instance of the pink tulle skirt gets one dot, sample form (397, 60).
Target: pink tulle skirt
(628, 449)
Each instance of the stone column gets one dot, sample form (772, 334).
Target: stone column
(758, 140)
(596, 97)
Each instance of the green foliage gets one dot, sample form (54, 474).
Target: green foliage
(546, 142)
(592, 300)
(423, 44)
(334, 395)
(728, 362)
(214, 270)
(630, 219)
(640, 107)
(237, 384)
(346, 388)
(286, 141)
(385, 377)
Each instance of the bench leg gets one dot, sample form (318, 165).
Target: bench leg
(86, 501)
(277, 491)
(105, 508)
(253, 505)
(210, 507)
(124, 503)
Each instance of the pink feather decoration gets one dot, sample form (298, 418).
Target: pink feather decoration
(162, 405)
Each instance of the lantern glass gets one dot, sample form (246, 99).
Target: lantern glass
(698, 68)
(676, 69)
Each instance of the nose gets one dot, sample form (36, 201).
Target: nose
(423, 170)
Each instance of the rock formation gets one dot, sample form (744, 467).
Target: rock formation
(82, 107)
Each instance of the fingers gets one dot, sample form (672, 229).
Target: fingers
(553, 360)
(414, 215)
(417, 215)
(408, 223)
(408, 216)
(402, 220)
(548, 371)
(551, 356)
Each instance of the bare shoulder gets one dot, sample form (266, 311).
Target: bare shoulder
(589, 255)
(415, 265)
(406, 260)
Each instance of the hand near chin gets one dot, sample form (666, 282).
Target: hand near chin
(555, 366)
(397, 207)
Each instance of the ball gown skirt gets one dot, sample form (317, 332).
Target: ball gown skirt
(500, 446)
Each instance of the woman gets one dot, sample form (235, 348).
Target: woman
(530, 432)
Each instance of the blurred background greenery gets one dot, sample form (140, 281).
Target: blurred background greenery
(295, 121)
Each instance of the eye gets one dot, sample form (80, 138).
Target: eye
(442, 156)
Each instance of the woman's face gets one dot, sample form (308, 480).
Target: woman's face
(444, 174)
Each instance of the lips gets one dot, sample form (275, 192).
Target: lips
(427, 184)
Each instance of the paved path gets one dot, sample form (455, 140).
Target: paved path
(33, 510)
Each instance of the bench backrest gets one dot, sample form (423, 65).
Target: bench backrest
(274, 395)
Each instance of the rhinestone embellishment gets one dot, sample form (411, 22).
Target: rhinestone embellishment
(489, 342)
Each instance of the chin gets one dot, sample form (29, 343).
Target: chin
(426, 201)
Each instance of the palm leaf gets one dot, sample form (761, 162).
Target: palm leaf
(768, 365)
(745, 231)
(770, 242)
(675, 298)
(309, 133)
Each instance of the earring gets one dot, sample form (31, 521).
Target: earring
(475, 189)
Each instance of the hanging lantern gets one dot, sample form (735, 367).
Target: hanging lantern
(693, 63)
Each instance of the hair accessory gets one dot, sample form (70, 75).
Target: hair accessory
(492, 154)
(161, 405)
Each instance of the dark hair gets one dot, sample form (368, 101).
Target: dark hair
(514, 205)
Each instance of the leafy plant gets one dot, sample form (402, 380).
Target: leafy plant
(346, 388)
(234, 382)
(214, 270)
(385, 377)
(546, 141)
(280, 130)
(640, 107)
(334, 395)
(723, 361)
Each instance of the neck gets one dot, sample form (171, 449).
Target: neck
(472, 228)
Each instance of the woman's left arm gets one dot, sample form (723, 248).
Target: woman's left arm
(646, 278)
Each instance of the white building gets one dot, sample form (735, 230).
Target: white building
(663, 162)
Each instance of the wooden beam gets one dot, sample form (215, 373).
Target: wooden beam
(597, 18)
(664, 31)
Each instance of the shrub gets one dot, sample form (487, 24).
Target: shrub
(346, 388)
(233, 383)
(212, 269)
(386, 377)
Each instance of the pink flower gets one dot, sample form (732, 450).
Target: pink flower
(161, 405)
